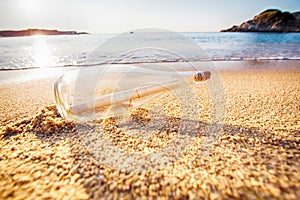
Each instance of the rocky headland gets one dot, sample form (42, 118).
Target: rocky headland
(271, 20)
(30, 32)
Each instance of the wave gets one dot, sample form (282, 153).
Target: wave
(158, 61)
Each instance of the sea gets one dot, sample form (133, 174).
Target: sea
(137, 47)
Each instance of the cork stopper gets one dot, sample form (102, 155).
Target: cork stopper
(201, 76)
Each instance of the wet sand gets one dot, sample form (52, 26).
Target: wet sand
(256, 154)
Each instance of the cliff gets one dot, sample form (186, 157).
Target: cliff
(271, 20)
(30, 32)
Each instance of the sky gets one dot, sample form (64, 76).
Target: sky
(116, 16)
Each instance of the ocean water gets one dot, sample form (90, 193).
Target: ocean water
(81, 50)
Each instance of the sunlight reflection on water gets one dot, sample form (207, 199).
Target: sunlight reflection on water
(42, 56)
(67, 50)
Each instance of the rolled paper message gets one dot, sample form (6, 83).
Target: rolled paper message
(82, 98)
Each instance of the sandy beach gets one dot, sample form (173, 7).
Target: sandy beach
(256, 155)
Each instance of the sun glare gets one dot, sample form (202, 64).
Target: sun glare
(41, 53)
(29, 6)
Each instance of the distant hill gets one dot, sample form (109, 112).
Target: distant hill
(271, 20)
(29, 32)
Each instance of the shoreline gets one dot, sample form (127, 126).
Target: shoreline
(28, 74)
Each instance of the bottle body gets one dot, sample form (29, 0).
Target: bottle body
(103, 91)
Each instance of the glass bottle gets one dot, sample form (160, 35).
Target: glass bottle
(92, 93)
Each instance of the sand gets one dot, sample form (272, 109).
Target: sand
(256, 154)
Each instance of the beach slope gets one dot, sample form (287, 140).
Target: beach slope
(256, 155)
